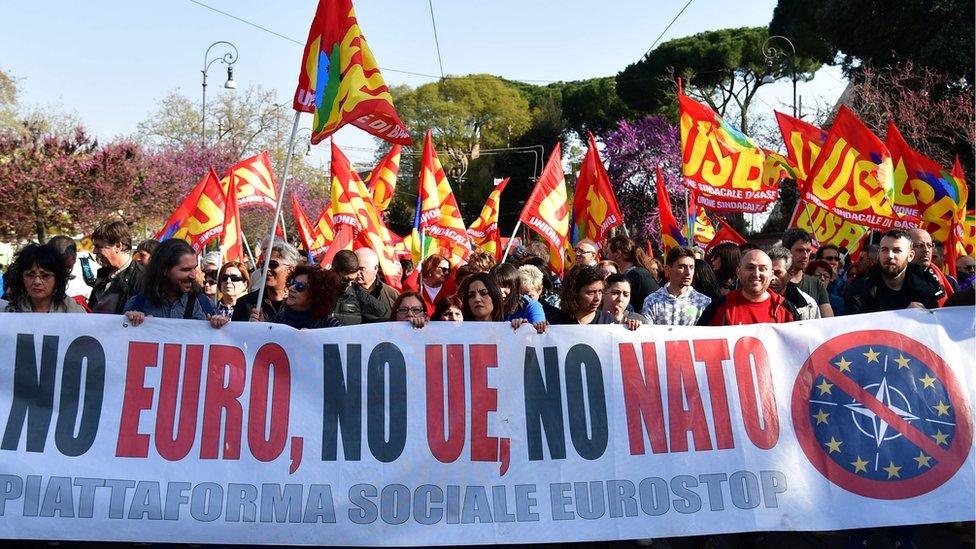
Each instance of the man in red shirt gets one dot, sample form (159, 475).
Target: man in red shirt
(752, 303)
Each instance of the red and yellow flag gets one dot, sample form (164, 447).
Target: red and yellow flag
(340, 81)
(704, 229)
(440, 217)
(853, 176)
(826, 227)
(200, 217)
(725, 234)
(547, 210)
(383, 179)
(231, 241)
(352, 206)
(718, 160)
(671, 233)
(595, 209)
(302, 224)
(484, 230)
(803, 143)
(323, 233)
(923, 189)
(254, 181)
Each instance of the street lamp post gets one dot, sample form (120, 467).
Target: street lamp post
(228, 59)
(772, 53)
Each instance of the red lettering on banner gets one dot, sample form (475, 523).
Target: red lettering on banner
(642, 399)
(750, 354)
(226, 364)
(270, 358)
(137, 397)
(484, 399)
(713, 352)
(683, 386)
(448, 449)
(169, 447)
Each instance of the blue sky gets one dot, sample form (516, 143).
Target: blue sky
(110, 62)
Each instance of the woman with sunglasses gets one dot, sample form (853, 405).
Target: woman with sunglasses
(38, 282)
(232, 282)
(481, 300)
(409, 306)
(312, 293)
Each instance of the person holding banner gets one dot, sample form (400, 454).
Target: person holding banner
(39, 282)
(409, 307)
(311, 299)
(752, 303)
(284, 258)
(581, 302)
(895, 282)
(171, 289)
(481, 299)
(616, 299)
(514, 300)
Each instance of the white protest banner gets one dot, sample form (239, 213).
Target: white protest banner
(475, 434)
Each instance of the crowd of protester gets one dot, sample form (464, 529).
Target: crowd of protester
(612, 283)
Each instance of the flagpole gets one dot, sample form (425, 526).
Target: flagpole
(247, 246)
(510, 240)
(284, 228)
(274, 222)
(689, 220)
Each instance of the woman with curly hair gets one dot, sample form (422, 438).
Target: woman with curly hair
(39, 282)
(312, 293)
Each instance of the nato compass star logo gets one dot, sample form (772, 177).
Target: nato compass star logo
(881, 415)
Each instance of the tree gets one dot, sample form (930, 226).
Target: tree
(8, 100)
(722, 68)
(632, 152)
(935, 34)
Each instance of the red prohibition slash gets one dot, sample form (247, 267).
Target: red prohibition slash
(949, 459)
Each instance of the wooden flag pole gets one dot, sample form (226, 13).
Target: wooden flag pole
(509, 245)
(274, 223)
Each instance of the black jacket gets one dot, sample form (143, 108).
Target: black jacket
(357, 306)
(867, 295)
(125, 284)
(246, 303)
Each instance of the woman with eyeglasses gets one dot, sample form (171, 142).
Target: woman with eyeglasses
(409, 306)
(481, 300)
(312, 293)
(820, 270)
(232, 282)
(448, 309)
(39, 282)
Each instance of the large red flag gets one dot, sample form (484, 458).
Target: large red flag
(383, 179)
(254, 180)
(547, 210)
(723, 235)
(304, 226)
(440, 218)
(595, 209)
(853, 176)
(200, 217)
(484, 230)
(340, 81)
(803, 143)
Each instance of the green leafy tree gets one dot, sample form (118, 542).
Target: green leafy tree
(723, 69)
(593, 106)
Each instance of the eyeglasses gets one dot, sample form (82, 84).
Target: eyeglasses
(39, 275)
(232, 278)
(410, 310)
(473, 293)
(297, 285)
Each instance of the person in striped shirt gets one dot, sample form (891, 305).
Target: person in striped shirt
(677, 303)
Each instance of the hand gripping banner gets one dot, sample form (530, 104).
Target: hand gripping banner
(475, 434)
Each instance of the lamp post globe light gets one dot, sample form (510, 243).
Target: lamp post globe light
(772, 53)
(228, 58)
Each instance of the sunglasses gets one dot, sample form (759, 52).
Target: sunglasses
(232, 278)
(297, 285)
(473, 293)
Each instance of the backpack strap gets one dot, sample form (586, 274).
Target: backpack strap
(191, 300)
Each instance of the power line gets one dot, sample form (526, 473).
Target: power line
(658, 39)
(437, 42)
(400, 71)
